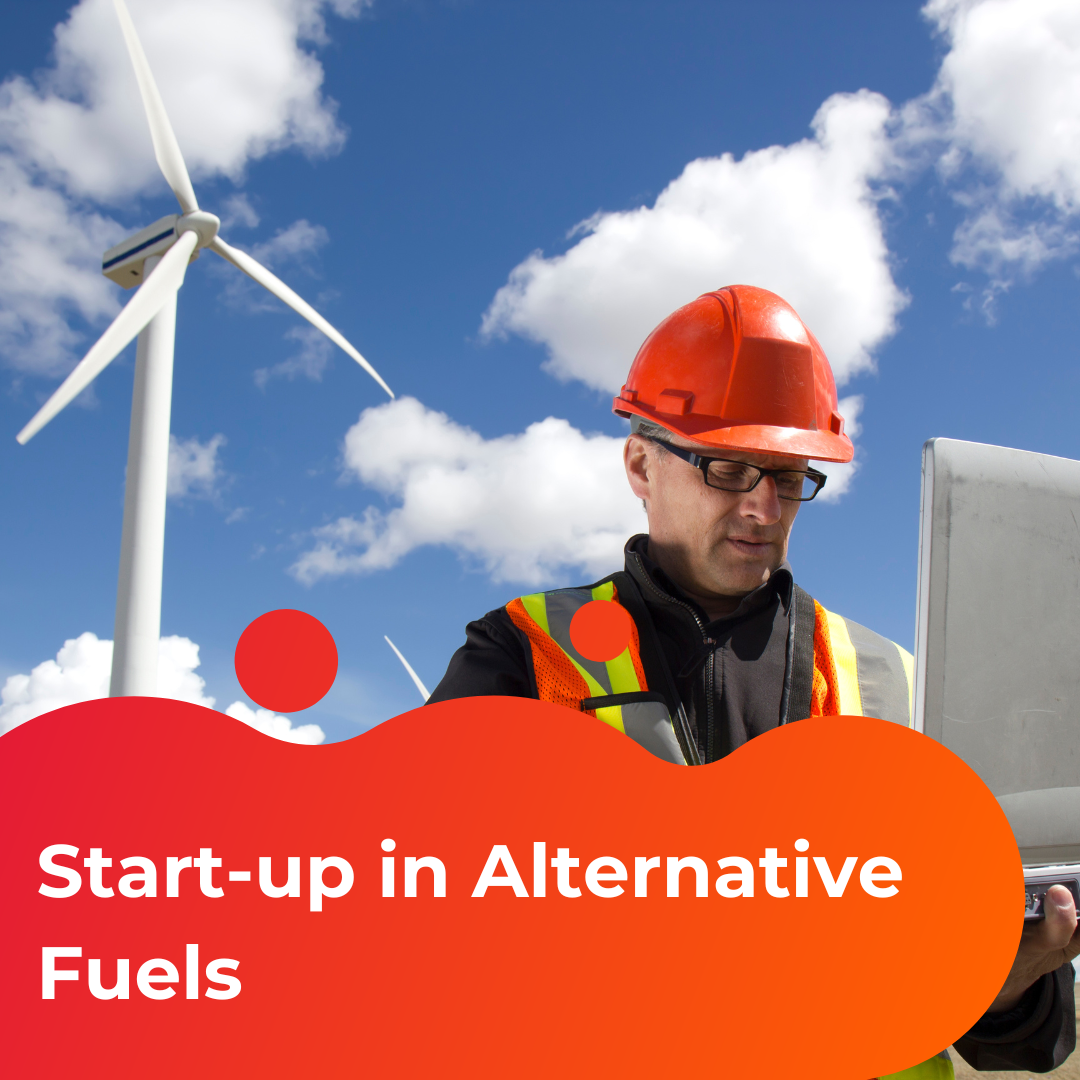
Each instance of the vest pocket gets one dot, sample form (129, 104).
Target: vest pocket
(633, 698)
(645, 719)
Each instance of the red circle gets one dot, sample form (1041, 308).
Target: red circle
(286, 660)
(600, 630)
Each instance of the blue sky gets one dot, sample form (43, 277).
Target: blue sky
(925, 230)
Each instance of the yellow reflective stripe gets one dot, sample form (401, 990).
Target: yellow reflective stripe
(595, 689)
(937, 1068)
(847, 668)
(536, 605)
(909, 671)
(604, 591)
(612, 714)
(624, 680)
(621, 673)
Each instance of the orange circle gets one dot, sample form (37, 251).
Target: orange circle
(286, 660)
(600, 630)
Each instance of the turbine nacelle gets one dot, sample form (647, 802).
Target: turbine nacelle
(124, 262)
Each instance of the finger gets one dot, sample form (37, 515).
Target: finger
(1060, 923)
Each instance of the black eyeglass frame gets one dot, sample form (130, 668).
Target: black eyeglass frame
(703, 464)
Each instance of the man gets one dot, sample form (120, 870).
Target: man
(729, 400)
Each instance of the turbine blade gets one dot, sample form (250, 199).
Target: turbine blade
(166, 148)
(162, 282)
(412, 674)
(274, 284)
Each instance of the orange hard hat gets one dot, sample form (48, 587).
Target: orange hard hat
(738, 369)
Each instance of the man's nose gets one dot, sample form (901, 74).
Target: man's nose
(762, 502)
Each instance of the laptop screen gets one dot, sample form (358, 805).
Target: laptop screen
(997, 645)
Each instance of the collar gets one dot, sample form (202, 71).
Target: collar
(638, 564)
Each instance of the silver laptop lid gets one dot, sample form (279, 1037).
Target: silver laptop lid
(997, 643)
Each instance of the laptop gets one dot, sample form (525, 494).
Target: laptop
(997, 643)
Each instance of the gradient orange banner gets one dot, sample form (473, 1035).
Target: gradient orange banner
(588, 979)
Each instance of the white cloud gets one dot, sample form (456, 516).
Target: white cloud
(311, 361)
(234, 95)
(50, 272)
(993, 237)
(194, 469)
(75, 135)
(237, 212)
(528, 508)
(801, 220)
(81, 670)
(1006, 108)
(1012, 77)
(840, 475)
(277, 727)
(298, 240)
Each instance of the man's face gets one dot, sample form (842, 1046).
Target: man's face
(714, 544)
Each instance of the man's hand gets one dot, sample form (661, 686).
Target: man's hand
(1044, 947)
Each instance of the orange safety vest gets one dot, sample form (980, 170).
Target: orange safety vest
(855, 672)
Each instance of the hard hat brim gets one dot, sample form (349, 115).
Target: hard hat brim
(746, 438)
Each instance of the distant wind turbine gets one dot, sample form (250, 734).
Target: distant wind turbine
(156, 260)
(408, 667)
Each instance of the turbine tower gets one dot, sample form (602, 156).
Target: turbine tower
(156, 259)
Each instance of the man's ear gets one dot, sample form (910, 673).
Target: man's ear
(640, 467)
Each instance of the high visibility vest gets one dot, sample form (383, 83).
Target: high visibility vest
(855, 673)
(615, 691)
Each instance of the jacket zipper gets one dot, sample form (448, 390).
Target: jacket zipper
(707, 668)
(708, 675)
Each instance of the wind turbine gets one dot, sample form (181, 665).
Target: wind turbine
(156, 259)
(424, 692)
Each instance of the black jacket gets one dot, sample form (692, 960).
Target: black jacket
(730, 675)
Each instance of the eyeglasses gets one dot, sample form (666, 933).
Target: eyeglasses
(795, 485)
